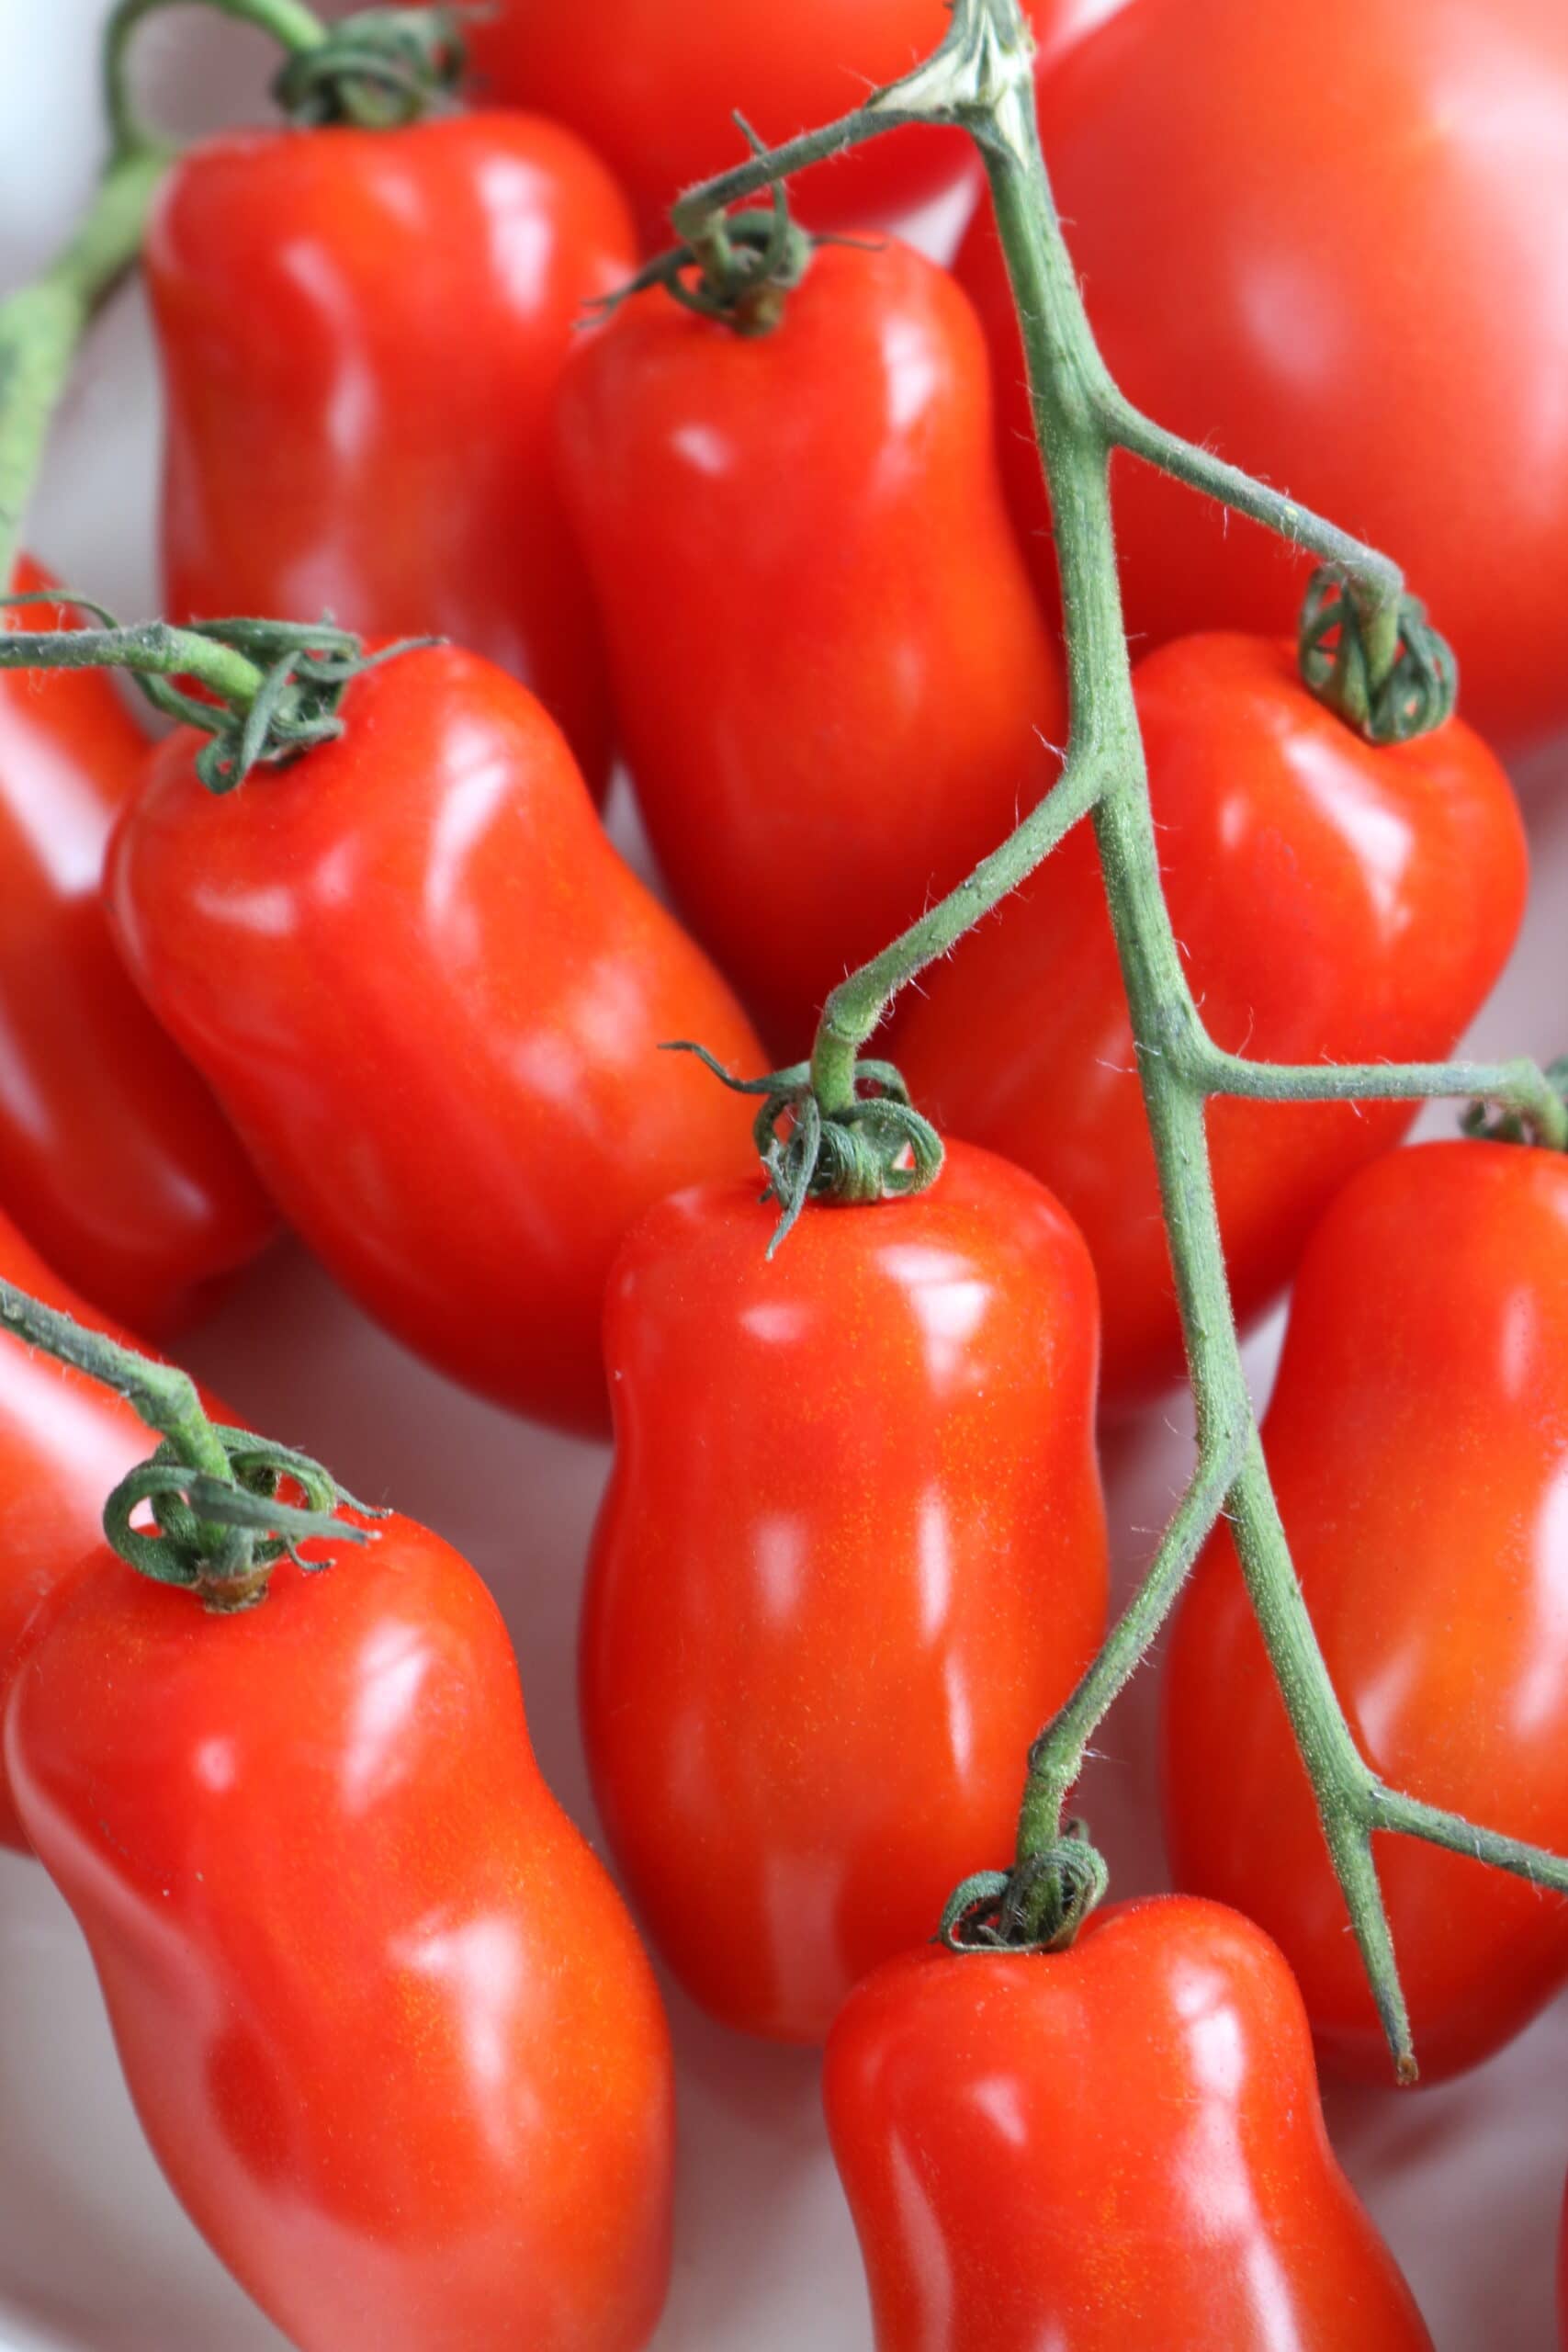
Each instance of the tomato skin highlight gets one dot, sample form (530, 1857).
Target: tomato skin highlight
(1119, 2144)
(852, 1556)
(385, 2022)
(1332, 902)
(361, 333)
(1416, 1442)
(114, 1158)
(830, 675)
(655, 92)
(431, 996)
(1338, 264)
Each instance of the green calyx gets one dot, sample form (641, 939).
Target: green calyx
(220, 1537)
(377, 70)
(1037, 1907)
(1388, 675)
(274, 689)
(738, 270)
(876, 1147)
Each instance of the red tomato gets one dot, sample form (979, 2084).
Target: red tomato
(831, 674)
(361, 333)
(1115, 2147)
(64, 1442)
(852, 1556)
(1418, 1442)
(431, 996)
(655, 89)
(1338, 263)
(114, 1158)
(385, 2022)
(1332, 903)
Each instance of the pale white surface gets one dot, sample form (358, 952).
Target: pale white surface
(94, 2255)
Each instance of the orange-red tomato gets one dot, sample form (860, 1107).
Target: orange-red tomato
(1419, 1444)
(655, 89)
(852, 1556)
(1332, 902)
(114, 1158)
(361, 333)
(431, 996)
(1330, 244)
(385, 2020)
(1115, 2147)
(830, 676)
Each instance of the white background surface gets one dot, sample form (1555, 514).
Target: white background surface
(95, 2254)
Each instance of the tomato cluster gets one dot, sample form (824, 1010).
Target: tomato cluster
(772, 531)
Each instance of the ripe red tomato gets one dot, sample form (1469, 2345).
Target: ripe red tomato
(1418, 1443)
(1332, 902)
(852, 1556)
(361, 333)
(1339, 264)
(431, 996)
(1111, 2146)
(114, 1158)
(64, 1442)
(830, 675)
(655, 89)
(385, 2020)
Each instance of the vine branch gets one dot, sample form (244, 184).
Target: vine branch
(1391, 677)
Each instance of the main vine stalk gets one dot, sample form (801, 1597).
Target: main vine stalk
(981, 79)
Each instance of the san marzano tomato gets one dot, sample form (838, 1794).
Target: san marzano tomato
(852, 1556)
(834, 689)
(1418, 1443)
(432, 996)
(385, 2020)
(1113, 2147)
(1330, 244)
(115, 1159)
(361, 333)
(1332, 902)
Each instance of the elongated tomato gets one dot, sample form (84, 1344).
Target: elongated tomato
(834, 688)
(361, 333)
(1418, 1443)
(852, 1556)
(1119, 2146)
(385, 2020)
(115, 1159)
(431, 996)
(1331, 902)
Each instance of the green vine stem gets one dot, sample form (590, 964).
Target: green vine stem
(981, 79)
(41, 327)
(212, 1490)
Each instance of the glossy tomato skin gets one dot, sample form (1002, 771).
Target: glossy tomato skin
(114, 1158)
(852, 1556)
(65, 1444)
(386, 2023)
(1332, 902)
(361, 334)
(1112, 2146)
(655, 91)
(830, 675)
(1322, 207)
(431, 996)
(1416, 1444)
